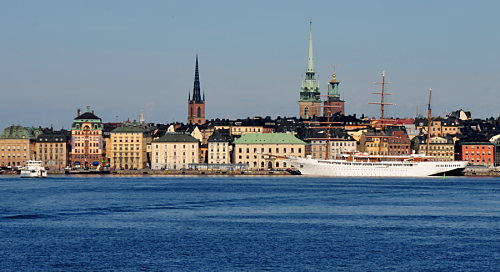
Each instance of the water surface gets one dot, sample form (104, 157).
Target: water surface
(249, 224)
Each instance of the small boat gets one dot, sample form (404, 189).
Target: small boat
(33, 169)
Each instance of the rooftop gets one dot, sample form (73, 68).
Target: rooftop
(268, 138)
(177, 137)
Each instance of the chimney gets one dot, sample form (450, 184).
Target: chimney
(77, 112)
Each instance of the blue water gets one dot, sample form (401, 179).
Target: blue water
(249, 224)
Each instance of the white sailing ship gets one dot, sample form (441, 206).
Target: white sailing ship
(361, 165)
(33, 169)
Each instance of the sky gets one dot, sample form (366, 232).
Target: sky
(122, 56)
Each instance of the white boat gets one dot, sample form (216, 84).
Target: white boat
(360, 165)
(33, 169)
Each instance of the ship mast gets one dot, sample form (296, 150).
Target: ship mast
(382, 104)
(429, 113)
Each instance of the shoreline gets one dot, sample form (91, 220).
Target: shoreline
(148, 172)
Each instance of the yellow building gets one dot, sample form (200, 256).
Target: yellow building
(374, 144)
(17, 145)
(127, 146)
(440, 127)
(174, 151)
(53, 149)
(267, 150)
(439, 147)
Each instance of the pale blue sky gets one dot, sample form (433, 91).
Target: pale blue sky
(124, 56)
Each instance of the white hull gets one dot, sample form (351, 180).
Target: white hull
(31, 175)
(343, 168)
(34, 169)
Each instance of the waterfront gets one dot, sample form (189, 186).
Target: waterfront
(241, 223)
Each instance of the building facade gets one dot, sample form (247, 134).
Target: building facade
(477, 153)
(196, 104)
(394, 143)
(439, 147)
(87, 145)
(439, 127)
(53, 149)
(310, 100)
(127, 148)
(174, 151)
(17, 145)
(267, 150)
(338, 147)
(219, 147)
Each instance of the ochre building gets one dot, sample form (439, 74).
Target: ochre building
(267, 150)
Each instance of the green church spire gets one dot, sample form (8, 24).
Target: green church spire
(310, 59)
(310, 88)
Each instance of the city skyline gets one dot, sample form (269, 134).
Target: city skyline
(121, 57)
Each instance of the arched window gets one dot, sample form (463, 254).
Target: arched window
(306, 111)
(199, 112)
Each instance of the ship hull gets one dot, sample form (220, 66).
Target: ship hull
(341, 168)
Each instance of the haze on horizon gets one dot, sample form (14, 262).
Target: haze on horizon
(121, 57)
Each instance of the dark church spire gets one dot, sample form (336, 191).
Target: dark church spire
(196, 88)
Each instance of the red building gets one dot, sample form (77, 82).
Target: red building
(477, 153)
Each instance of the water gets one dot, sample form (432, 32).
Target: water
(249, 224)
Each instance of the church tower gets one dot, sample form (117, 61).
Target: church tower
(196, 105)
(310, 100)
(333, 104)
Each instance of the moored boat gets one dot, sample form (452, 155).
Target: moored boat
(33, 169)
(360, 165)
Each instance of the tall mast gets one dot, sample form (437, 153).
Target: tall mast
(429, 114)
(382, 104)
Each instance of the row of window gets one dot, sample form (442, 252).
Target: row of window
(86, 157)
(51, 145)
(52, 140)
(471, 160)
(269, 150)
(124, 154)
(83, 151)
(14, 155)
(126, 140)
(8, 148)
(218, 150)
(51, 150)
(482, 147)
(126, 148)
(175, 154)
(175, 146)
(477, 153)
(87, 138)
